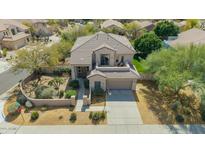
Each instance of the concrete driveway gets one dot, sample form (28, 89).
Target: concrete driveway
(122, 108)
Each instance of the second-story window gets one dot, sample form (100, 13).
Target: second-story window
(104, 59)
(13, 32)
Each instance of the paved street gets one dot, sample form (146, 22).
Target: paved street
(6, 128)
(122, 108)
(8, 79)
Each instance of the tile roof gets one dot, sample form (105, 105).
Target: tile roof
(16, 23)
(2, 28)
(110, 23)
(81, 52)
(191, 36)
(115, 74)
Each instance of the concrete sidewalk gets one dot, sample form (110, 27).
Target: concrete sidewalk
(7, 128)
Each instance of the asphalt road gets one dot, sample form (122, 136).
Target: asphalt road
(9, 78)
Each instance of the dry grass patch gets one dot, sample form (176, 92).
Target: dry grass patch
(47, 116)
(98, 101)
(155, 108)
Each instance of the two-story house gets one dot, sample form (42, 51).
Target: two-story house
(13, 35)
(105, 59)
(41, 27)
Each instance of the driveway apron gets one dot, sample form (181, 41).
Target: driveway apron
(122, 108)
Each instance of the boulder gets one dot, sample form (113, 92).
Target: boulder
(29, 104)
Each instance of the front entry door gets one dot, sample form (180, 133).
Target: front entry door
(97, 84)
(82, 72)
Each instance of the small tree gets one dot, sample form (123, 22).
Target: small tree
(191, 23)
(34, 59)
(164, 29)
(132, 30)
(147, 43)
(4, 52)
(62, 48)
(56, 82)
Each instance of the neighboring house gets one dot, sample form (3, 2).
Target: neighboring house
(40, 26)
(2, 32)
(191, 36)
(109, 24)
(13, 35)
(105, 59)
(181, 24)
(146, 24)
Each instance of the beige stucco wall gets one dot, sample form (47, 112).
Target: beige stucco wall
(14, 44)
(134, 84)
(97, 78)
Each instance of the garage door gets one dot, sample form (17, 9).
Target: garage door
(119, 84)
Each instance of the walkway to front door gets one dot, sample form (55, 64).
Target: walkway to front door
(79, 104)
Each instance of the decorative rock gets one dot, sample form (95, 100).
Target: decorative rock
(29, 104)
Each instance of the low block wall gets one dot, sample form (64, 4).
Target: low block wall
(51, 102)
(47, 102)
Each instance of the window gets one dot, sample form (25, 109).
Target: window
(13, 32)
(97, 84)
(104, 59)
(122, 59)
(79, 69)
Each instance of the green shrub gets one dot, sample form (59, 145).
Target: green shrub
(187, 110)
(86, 84)
(60, 71)
(74, 84)
(99, 92)
(73, 117)
(21, 99)
(34, 116)
(61, 94)
(39, 90)
(91, 115)
(96, 116)
(47, 93)
(13, 108)
(4, 52)
(179, 118)
(103, 115)
(44, 93)
(70, 93)
(26, 110)
(175, 105)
